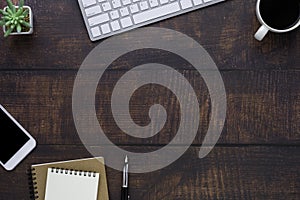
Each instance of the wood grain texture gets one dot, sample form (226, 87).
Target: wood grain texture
(257, 155)
(226, 173)
(263, 106)
(225, 30)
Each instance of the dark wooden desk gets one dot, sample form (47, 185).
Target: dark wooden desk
(258, 154)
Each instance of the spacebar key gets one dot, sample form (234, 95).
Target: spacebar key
(156, 13)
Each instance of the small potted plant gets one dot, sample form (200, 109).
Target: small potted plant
(16, 20)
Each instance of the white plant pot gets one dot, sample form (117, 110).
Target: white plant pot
(30, 22)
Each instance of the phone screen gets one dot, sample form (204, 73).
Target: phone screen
(12, 138)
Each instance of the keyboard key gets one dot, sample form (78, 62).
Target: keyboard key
(105, 28)
(115, 25)
(95, 31)
(134, 8)
(144, 5)
(197, 2)
(98, 19)
(186, 4)
(92, 11)
(124, 11)
(116, 3)
(164, 1)
(87, 3)
(153, 3)
(106, 6)
(126, 2)
(126, 22)
(156, 13)
(114, 14)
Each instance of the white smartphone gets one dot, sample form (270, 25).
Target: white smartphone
(15, 142)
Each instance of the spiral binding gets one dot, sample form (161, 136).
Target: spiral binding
(73, 172)
(32, 184)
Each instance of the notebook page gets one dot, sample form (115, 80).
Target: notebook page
(66, 185)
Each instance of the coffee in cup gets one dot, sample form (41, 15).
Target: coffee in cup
(277, 16)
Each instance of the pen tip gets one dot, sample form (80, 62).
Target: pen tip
(126, 159)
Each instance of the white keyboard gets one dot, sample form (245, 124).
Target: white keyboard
(104, 18)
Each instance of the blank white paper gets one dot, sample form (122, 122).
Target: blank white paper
(67, 186)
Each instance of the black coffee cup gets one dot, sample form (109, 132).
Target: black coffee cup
(278, 16)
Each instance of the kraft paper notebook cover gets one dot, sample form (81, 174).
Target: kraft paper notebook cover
(39, 174)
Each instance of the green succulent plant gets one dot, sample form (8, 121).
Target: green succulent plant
(14, 18)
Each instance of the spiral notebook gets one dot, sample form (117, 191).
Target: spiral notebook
(40, 173)
(64, 184)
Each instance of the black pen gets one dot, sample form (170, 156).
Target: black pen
(124, 190)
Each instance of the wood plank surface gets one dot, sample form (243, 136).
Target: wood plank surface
(257, 155)
(263, 106)
(225, 30)
(253, 172)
